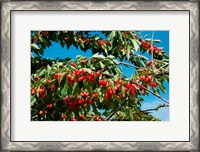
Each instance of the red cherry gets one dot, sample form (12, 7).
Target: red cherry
(92, 74)
(67, 99)
(48, 81)
(98, 73)
(57, 75)
(132, 91)
(144, 69)
(142, 77)
(80, 70)
(72, 106)
(110, 92)
(103, 82)
(143, 92)
(50, 106)
(87, 94)
(89, 101)
(84, 72)
(81, 101)
(40, 112)
(84, 62)
(76, 72)
(125, 89)
(146, 80)
(149, 63)
(128, 85)
(52, 87)
(73, 119)
(72, 78)
(73, 64)
(82, 94)
(80, 79)
(42, 92)
(67, 38)
(106, 96)
(95, 94)
(37, 77)
(63, 116)
(82, 117)
(119, 81)
(116, 88)
(120, 96)
(153, 84)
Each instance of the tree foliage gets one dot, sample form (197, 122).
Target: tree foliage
(95, 88)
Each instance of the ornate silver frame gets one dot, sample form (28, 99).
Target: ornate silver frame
(8, 6)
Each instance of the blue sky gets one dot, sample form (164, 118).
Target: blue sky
(149, 102)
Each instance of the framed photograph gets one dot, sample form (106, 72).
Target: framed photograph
(100, 76)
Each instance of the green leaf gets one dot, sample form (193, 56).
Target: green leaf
(158, 107)
(155, 90)
(142, 63)
(157, 41)
(42, 72)
(112, 35)
(116, 62)
(162, 88)
(48, 70)
(75, 89)
(78, 56)
(34, 46)
(117, 99)
(101, 99)
(96, 110)
(98, 56)
(136, 46)
(65, 88)
(105, 49)
(33, 101)
(149, 40)
(90, 88)
(131, 118)
(128, 52)
(110, 57)
(102, 65)
(82, 44)
(112, 83)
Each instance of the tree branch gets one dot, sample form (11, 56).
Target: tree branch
(151, 92)
(161, 106)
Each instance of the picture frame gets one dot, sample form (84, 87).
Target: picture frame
(8, 7)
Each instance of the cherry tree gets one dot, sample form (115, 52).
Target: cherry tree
(95, 88)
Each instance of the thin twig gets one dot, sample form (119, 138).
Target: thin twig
(151, 92)
(130, 65)
(161, 106)
(112, 113)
